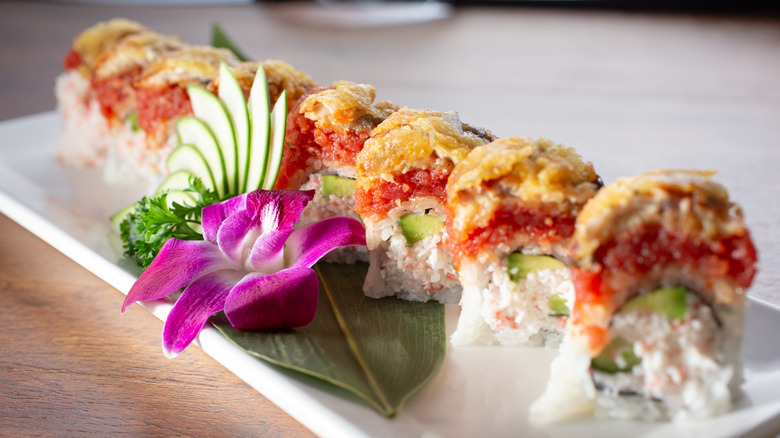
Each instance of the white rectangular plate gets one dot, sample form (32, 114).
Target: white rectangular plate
(478, 390)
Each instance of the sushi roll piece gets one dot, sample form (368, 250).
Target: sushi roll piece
(161, 99)
(125, 86)
(512, 205)
(663, 261)
(401, 195)
(326, 129)
(85, 135)
(116, 70)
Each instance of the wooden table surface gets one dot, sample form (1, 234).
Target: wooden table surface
(632, 91)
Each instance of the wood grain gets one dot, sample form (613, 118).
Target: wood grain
(71, 364)
(632, 91)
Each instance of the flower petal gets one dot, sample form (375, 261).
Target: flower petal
(308, 244)
(235, 225)
(176, 265)
(286, 205)
(283, 300)
(267, 254)
(213, 215)
(237, 234)
(201, 299)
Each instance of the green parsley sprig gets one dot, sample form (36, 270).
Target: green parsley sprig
(152, 222)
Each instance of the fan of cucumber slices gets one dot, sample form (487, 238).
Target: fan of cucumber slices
(232, 145)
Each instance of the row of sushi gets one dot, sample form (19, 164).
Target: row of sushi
(640, 283)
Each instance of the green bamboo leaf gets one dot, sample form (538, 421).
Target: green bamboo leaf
(220, 39)
(382, 350)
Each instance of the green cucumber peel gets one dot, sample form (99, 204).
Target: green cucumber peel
(214, 113)
(232, 144)
(260, 138)
(278, 128)
(190, 158)
(231, 94)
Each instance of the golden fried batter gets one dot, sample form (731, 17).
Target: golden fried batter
(134, 51)
(100, 38)
(518, 171)
(280, 76)
(190, 65)
(346, 106)
(415, 139)
(686, 201)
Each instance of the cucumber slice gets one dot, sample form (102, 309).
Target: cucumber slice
(338, 185)
(213, 112)
(233, 97)
(607, 361)
(190, 159)
(671, 302)
(278, 128)
(178, 180)
(195, 132)
(520, 265)
(260, 111)
(180, 197)
(117, 218)
(416, 227)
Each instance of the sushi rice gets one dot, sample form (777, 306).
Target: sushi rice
(329, 206)
(689, 370)
(419, 272)
(87, 140)
(498, 310)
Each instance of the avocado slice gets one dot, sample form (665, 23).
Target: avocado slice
(337, 185)
(671, 302)
(520, 265)
(419, 226)
(558, 306)
(606, 362)
(132, 118)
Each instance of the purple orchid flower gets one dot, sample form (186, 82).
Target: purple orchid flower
(252, 263)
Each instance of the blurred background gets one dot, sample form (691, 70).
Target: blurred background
(633, 86)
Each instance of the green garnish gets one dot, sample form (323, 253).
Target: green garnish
(520, 265)
(416, 227)
(133, 120)
(220, 39)
(617, 357)
(671, 302)
(558, 306)
(152, 222)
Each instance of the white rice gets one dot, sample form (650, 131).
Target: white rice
(689, 370)
(130, 157)
(87, 140)
(419, 272)
(325, 207)
(683, 374)
(85, 137)
(497, 310)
